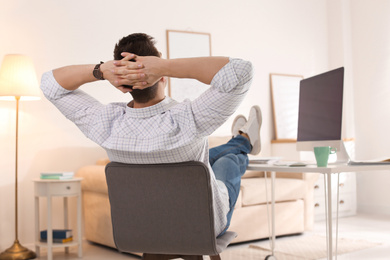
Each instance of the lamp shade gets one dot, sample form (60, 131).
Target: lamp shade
(18, 78)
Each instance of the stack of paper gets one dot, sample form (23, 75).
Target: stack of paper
(263, 160)
(57, 175)
(378, 161)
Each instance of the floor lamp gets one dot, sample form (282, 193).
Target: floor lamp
(18, 81)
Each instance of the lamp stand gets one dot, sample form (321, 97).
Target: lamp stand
(17, 251)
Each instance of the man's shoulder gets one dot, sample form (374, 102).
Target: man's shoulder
(115, 107)
(180, 107)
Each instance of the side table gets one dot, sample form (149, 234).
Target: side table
(57, 188)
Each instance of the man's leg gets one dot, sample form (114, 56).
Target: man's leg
(229, 164)
(229, 161)
(236, 145)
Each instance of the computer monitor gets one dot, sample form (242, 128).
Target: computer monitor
(320, 113)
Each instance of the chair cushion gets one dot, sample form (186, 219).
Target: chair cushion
(254, 190)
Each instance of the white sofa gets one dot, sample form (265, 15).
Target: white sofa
(294, 203)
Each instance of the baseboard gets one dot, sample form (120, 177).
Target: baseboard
(373, 209)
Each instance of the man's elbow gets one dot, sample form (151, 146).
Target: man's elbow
(247, 73)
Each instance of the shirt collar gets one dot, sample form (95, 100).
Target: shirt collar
(156, 109)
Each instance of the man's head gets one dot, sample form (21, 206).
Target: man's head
(143, 45)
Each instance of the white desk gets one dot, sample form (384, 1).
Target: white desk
(327, 171)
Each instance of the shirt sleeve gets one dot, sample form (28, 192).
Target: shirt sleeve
(228, 89)
(77, 106)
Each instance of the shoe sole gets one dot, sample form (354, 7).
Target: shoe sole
(235, 120)
(257, 144)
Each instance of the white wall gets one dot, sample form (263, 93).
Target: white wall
(340, 55)
(371, 60)
(279, 36)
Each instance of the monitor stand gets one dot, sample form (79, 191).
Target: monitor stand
(342, 155)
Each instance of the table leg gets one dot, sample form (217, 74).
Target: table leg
(79, 225)
(49, 230)
(329, 218)
(273, 210)
(66, 221)
(37, 234)
(272, 217)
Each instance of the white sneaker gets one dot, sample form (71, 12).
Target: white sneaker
(252, 129)
(238, 122)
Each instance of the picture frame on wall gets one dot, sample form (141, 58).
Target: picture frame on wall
(285, 105)
(185, 44)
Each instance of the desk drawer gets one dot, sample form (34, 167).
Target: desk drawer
(346, 203)
(58, 188)
(347, 184)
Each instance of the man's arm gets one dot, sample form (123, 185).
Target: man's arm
(143, 73)
(72, 77)
(153, 68)
(202, 68)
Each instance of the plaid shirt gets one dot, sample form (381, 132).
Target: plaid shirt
(163, 133)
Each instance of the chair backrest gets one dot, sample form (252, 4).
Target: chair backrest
(162, 208)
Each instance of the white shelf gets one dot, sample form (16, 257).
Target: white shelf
(67, 244)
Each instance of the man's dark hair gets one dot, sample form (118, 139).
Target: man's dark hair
(140, 44)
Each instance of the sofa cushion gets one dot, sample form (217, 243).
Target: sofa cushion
(218, 140)
(254, 190)
(239, 201)
(251, 223)
(94, 178)
(103, 161)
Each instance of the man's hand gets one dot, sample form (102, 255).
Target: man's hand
(123, 72)
(151, 67)
(139, 72)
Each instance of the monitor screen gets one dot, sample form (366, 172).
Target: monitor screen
(320, 107)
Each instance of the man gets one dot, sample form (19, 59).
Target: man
(153, 128)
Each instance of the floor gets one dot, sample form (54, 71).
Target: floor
(371, 228)
(365, 227)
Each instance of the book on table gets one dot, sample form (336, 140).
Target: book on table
(57, 175)
(58, 233)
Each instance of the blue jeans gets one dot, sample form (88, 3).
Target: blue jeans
(229, 162)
